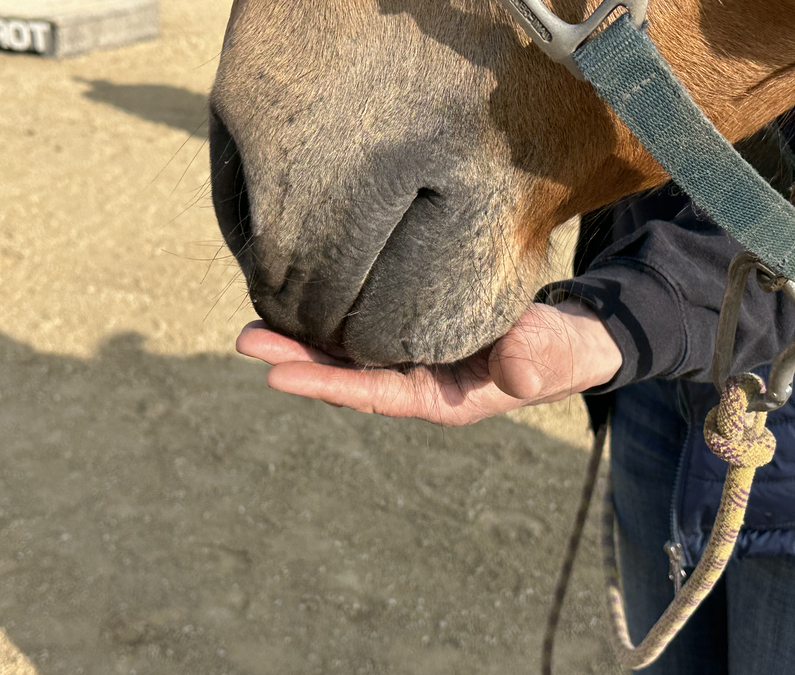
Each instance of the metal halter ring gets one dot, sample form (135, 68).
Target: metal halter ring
(558, 39)
(782, 371)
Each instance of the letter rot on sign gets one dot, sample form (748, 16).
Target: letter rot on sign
(20, 35)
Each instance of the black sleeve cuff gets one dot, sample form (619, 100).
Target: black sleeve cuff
(640, 309)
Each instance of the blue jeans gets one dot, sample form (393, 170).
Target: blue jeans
(747, 624)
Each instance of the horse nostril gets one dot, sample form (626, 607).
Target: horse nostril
(429, 195)
(230, 194)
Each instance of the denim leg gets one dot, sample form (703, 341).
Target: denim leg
(761, 609)
(647, 436)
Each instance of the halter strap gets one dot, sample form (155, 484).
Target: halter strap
(628, 72)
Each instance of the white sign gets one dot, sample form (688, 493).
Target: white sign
(17, 35)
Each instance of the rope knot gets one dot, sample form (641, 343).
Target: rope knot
(736, 436)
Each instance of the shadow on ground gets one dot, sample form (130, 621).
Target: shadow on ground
(177, 107)
(172, 515)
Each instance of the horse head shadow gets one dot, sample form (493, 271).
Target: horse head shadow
(176, 107)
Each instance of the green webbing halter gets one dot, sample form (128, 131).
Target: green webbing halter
(628, 72)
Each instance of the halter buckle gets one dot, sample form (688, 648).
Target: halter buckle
(558, 39)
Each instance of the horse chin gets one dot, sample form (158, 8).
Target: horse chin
(433, 340)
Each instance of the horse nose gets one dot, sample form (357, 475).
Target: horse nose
(306, 243)
(401, 254)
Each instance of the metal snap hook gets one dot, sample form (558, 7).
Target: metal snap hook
(782, 370)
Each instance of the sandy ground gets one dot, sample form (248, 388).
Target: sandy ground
(162, 511)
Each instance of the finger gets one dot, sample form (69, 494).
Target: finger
(381, 391)
(419, 394)
(261, 343)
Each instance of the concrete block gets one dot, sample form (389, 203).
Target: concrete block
(60, 28)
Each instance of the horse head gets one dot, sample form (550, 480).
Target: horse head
(388, 172)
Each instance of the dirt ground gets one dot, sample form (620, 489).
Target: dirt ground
(161, 510)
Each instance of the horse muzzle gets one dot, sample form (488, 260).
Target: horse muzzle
(399, 256)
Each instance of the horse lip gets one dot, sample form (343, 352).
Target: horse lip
(424, 194)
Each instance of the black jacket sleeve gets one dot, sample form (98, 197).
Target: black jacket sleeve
(658, 291)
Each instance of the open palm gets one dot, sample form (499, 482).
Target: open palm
(550, 354)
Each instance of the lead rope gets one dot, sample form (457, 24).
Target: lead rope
(562, 584)
(736, 436)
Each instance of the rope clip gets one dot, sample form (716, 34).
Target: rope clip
(782, 371)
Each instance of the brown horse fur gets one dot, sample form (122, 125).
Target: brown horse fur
(388, 172)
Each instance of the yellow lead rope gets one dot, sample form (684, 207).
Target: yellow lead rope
(739, 438)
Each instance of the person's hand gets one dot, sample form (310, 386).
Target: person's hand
(551, 353)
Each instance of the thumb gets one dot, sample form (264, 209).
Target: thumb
(534, 359)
